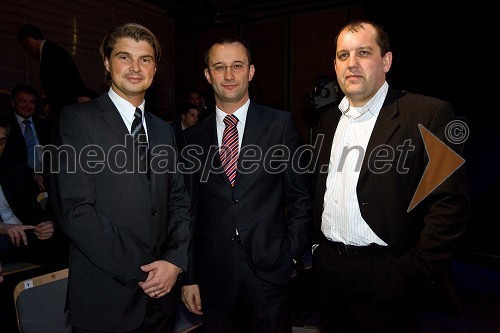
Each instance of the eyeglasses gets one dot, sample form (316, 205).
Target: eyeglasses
(219, 69)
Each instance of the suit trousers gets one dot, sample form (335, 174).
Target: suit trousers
(155, 321)
(261, 307)
(363, 292)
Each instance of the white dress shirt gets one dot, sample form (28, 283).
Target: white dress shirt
(6, 213)
(127, 110)
(341, 219)
(241, 114)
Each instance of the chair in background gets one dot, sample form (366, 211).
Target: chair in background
(40, 303)
(186, 321)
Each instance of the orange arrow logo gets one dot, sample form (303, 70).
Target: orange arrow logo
(443, 162)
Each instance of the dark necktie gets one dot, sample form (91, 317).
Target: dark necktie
(140, 141)
(29, 137)
(229, 148)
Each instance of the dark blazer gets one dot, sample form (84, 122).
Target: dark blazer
(177, 128)
(21, 191)
(16, 149)
(115, 218)
(60, 78)
(270, 206)
(426, 238)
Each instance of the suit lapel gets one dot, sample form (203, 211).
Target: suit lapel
(385, 126)
(210, 138)
(253, 125)
(113, 119)
(329, 126)
(253, 129)
(206, 138)
(115, 122)
(153, 141)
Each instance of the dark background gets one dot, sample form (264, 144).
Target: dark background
(445, 50)
(440, 49)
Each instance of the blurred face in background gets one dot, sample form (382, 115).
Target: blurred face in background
(24, 104)
(194, 98)
(31, 46)
(3, 139)
(191, 117)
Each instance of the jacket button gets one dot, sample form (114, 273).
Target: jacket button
(154, 212)
(235, 201)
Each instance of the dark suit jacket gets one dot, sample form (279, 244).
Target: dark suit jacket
(115, 218)
(426, 238)
(60, 78)
(21, 191)
(177, 128)
(15, 148)
(270, 206)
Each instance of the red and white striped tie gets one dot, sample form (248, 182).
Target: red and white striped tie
(229, 148)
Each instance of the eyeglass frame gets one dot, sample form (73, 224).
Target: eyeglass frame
(223, 68)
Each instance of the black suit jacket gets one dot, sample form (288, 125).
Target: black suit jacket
(115, 218)
(177, 128)
(270, 205)
(21, 191)
(15, 148)
(426, 238)
(60, 78)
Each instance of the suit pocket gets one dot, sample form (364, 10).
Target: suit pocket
(279, 233)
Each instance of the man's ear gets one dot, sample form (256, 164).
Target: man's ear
(387, 61)
(207, 76)
(251, 72)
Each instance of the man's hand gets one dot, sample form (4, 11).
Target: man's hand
(44, 230)
(162, 276)
(16, 232)
(191, 298)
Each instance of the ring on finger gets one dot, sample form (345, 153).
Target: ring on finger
(155, 294)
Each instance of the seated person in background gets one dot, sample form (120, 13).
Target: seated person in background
(26, 132)
(20, 212)
(189, 117)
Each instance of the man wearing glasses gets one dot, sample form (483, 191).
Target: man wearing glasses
(252, 207)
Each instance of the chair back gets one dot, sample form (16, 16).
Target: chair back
(40, 303)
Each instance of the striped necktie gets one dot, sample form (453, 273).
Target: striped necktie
(229, 148)
(140, 141)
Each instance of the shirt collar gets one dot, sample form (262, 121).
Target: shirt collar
(21, 119)
(373, 106)
(241, 114)
(125, 107)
